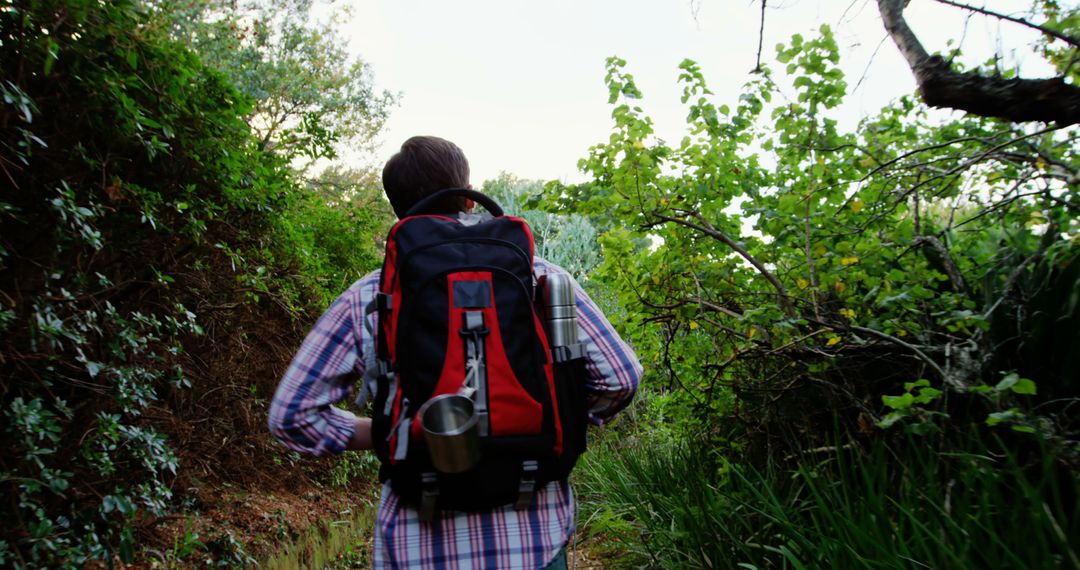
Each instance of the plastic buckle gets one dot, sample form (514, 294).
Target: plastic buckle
(384, 301)
(565, 353)
(429, 496)
(527, 486)
(384, 368)
(473, 322)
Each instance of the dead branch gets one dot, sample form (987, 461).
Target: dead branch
(761, 38)
(1018, 100)
(1014, 277)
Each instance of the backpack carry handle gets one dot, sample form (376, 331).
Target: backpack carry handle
(423, 205)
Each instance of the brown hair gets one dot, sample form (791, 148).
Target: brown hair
(423, 166)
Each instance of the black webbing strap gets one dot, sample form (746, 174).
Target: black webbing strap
(527, 487)
(429, 495)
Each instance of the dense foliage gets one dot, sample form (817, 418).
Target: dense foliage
(840, 265)
(801, 290)
(138, 207)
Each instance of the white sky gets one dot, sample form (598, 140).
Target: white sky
(519, 85)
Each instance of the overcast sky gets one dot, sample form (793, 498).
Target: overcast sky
(519, 85)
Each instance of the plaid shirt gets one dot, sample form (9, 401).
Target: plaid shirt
(336, 353)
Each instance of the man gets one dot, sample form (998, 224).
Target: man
(340, 348)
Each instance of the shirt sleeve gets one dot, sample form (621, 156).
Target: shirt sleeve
(323, 372)
(612, 368)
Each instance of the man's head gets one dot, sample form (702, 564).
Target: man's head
(423, 166)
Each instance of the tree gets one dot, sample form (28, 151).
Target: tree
(311, 97)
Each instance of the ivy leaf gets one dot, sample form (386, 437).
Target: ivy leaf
(927, 395)
(916, 384)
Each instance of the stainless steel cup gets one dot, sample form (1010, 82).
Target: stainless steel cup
(450, 430)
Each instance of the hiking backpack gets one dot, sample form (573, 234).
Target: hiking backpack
(459, 313)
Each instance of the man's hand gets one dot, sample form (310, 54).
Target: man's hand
(361, 438)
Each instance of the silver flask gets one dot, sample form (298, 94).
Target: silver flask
(559, 308)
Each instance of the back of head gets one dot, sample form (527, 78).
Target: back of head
(423, 166)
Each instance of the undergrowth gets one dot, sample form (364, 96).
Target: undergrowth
(911, 503)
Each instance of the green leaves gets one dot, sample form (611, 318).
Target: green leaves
(620, 84)
(911, 405)
(1016, 384)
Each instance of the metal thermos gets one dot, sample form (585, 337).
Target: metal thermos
(560, 310)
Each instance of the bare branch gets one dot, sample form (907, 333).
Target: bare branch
(761, 37)
(706, 228)
(1071, 41)
(716, 308)
(1017, 100)
(1014, 277)
(959, 385)
(955, 171)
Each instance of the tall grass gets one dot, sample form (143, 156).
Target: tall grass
(905, 505)
(338, 544)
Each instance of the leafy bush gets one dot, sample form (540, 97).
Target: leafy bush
(327, 243)
(789, 271)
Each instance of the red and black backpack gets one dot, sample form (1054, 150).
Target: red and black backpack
(445, 287)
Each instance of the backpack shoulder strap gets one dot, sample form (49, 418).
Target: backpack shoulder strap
(424, 205)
